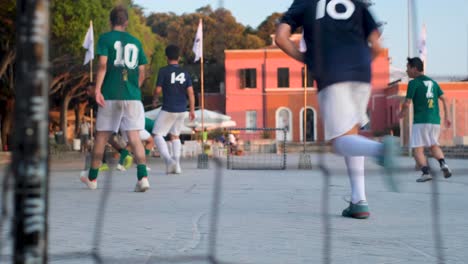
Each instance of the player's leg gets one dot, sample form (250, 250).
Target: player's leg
(175, 140)
(133, 121)
(125, 159)
(162, 125)
(437, 153)
(344, 108)
(108, 120)
(148, 143)
(419, 140)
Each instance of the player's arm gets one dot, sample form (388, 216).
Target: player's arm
(375, 44)
(372, 33)
(191, 97)
(156, 94)
(290, 21)
(447, 121)
(141, 75)
(283, 41)
(404, 108)
(101, 73)
(408, 99)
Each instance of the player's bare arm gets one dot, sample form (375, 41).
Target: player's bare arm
(447, 121)
(156, 94)
(283, 41)
(374, 42)
(191, 97)
(141, 75)
(102, 68)
(404, 108)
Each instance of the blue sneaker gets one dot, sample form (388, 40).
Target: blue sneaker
(358, 211)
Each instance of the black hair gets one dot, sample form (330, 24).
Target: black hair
(416, 63)
(172, 52)
(118, 16)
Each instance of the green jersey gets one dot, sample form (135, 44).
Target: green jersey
(149, 124)
(124, 54)
(425, 94)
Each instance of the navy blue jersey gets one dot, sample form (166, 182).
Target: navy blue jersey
(174, 82)
(336, 34)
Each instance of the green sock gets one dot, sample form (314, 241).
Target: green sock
(123, 154)
(141, 171)
(93, 174)
(147, 152)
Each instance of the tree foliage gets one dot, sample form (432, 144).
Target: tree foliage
(220, 31)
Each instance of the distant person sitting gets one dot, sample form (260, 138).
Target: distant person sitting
(232, 142)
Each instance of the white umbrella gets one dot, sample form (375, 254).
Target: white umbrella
(211, 120)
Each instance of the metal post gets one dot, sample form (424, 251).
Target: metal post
(30, 151)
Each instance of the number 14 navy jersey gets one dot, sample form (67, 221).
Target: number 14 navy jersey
(174, 82)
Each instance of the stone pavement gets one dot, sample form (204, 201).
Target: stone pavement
(265, 217)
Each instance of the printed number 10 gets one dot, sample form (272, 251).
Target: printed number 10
(330, 9)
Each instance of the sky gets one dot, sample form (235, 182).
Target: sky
(446, 23)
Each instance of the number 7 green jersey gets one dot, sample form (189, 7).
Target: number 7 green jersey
(124, 54)
(425, 94)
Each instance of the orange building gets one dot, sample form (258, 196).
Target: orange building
(265, 88)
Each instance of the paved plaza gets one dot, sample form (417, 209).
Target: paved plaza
(266, 217)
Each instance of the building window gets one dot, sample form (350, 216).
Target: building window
(248, 78)
(251, 119)
(310, 78)
(283, 77)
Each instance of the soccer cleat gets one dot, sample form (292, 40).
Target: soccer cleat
(142, 185)
(178, 169)
(446, 170)
(128, 162)
(84, 179)
(104, 167)
(358, 211)
(120, 167)
(424, 178)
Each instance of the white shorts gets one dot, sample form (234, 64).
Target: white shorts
(126, 115)
(425, 135)
(167, 122)
(144, 135)
(343, 106)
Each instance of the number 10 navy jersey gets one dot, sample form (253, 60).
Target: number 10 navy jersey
(336, 34)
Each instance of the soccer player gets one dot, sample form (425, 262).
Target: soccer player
(425, 94)
(120, 74)
(175, 84)
(145, 136)
(342, 38)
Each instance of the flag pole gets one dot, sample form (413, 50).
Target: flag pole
(305, 108)
(91, 62)
(202, 80)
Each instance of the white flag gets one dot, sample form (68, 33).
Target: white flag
(302, 44)
(88, 44)
(422, 44)
(198, 43)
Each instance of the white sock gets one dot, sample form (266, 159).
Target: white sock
(355, 166)
(355, 145)
(162, 147)
(170, 148)
(176, 147)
